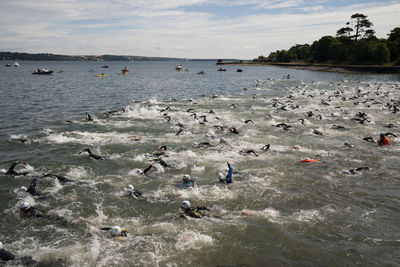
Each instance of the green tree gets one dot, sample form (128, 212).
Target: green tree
(326, 48)
(381, 54)
(394, 43)
(360, 24)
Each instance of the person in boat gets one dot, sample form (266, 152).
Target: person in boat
(187, 181)
(132, 192)
(88, 117)
(11, 170)
(5, 255)
(38, 70)
(90, 154)
(228, 177)
(116, 231)
(192, 211)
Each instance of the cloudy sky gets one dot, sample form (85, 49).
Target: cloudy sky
(180, 28)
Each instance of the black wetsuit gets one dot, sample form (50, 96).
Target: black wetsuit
(32, 188)
(91, 155)
(61, 179)
(33, 212)
(135, 193)
(147, 169)
(11, 170)
(6, 255)
(88, 117)
(194, 212)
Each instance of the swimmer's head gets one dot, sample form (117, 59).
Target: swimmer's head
(186, 178)
(115, 231)
(1, 245)
(220, 176)
(382, 135)
(185, 205)
(23, 189)
(130, 188)
(24, 205)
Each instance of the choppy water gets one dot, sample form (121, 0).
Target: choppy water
(277, 212)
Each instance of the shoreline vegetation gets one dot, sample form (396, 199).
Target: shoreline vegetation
(355, 48)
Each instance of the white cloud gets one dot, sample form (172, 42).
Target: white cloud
(164, 28)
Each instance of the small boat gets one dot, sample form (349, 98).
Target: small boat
(101, 75)
(178, 67)
(221, 69)
(201, 72)
(42, 71)
(125, 70)
(8, 65)
(239, 70)
(16, 64)
(123, 73)
(105, 66)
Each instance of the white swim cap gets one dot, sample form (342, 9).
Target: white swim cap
(130, 187)
(186, 178)
(220, 176)
(185, 204)
(23, 189)
(115, 230)
(24, 205)
(1, 245)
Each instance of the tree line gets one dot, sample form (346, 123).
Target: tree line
(355, 43)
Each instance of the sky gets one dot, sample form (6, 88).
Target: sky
(242, 29)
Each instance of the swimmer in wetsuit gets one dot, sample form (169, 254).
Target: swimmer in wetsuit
(132, 192)
(11, 170)
(32, 188)
(116, 231)
(228, 177)
(5, 255)
(88, 117)
(192, 211)
(31, 212)
(60, 178)
(187, 181)
(90, 154)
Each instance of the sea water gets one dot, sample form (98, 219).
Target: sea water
(277, 212)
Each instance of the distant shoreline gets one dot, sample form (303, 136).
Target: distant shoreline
(326, 68)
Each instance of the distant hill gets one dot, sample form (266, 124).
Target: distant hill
(53, 57)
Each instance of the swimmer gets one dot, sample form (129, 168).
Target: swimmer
(31, 212)
(60, 178)
(204, 145)
(233, 130)
(5, 255)
(356, 170)
(32, 188)
(147, 169)
(192, 211)
(88, 117)
(251, 151)
(116, 231)
(132, 192)
(284, 126)
(249, 121)
(162, 148)
(338, 127)
(219, 127)
(346, 143)
(163, 163)
(194, 115)
(317, 132)
(187, 181)
(90, 154)
(383, 141)
(11, 170)
(266, 147)
(228, 177)
(204, 118)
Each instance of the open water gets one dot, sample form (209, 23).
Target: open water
(277, 212)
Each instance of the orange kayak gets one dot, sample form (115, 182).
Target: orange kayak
(310, 160)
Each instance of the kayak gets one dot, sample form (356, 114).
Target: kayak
(100, 75)
(310, 160)
(221, 69)
(43, 71)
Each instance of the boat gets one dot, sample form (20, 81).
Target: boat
(8, 65)
(16, 64)
(123, 73)
(178, 67)
(239, 70)
(221, 69)
(125, 70)
(201, 72)
(105, 66)
(42, 71)
(101, 75)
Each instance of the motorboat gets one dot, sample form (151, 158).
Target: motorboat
(16, 64)
(178, 67)
(105, 66)
(42, 71)
(221, 69)
(8, 65)
(239, 70)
